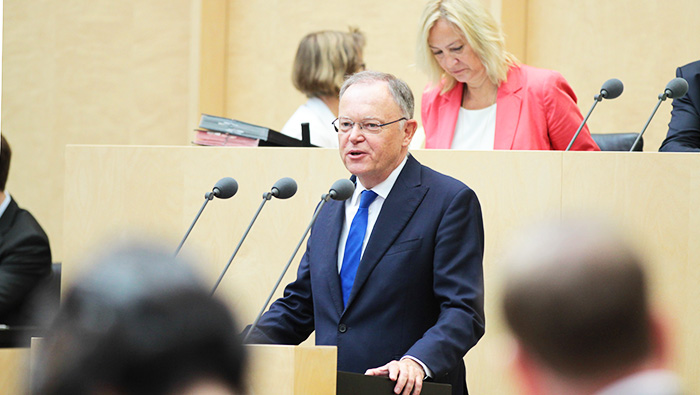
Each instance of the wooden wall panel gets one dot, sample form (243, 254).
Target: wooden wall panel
(14, 368)
(652, 196)
(92, 72)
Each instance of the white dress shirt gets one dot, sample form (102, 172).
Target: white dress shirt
(5, 203)
(353, 204)
(648, 382)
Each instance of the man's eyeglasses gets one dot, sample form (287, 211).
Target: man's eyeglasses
(344, 125)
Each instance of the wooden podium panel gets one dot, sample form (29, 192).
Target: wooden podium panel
(292, 370)
(122, 192)
(14, 371)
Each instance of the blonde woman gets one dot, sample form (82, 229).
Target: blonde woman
(480, 97)
(322, 62)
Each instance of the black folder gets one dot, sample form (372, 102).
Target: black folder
(356, 383)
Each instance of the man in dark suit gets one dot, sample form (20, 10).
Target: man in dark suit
(684, 128)
(405, 298)
(25, 256)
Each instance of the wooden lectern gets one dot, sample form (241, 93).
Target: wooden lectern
(300, 370)
(292, 370)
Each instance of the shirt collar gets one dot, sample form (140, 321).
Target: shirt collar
(383, 188)
(5, 203)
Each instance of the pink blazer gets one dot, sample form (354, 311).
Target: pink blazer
(535, 110)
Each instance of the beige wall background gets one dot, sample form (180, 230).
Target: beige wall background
(93, 72)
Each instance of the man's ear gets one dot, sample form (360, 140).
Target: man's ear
(409, 131)
(661, 344)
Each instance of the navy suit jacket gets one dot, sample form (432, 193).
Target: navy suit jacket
(684, 128)
(25, 261)
(418, 289)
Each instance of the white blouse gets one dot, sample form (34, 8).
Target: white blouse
(319, 117)
(476, 129)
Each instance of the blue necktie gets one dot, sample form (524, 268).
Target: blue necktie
(353, 245)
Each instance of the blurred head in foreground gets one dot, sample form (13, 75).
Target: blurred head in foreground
(140, 322)
(576, 300)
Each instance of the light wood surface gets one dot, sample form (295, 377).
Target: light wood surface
(291, 370)
(117, 193)
(14, 370)
(92, 72)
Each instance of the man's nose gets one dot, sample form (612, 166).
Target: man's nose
(356, 132)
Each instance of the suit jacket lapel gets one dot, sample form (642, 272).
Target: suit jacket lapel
(329, 226)
(508, 108)
(397, 210)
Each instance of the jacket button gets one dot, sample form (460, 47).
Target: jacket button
(342, 328)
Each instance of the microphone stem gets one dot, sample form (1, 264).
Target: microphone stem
(647, 124)
(279, 280)
(206, 200)
(597, 99)
(250, 225)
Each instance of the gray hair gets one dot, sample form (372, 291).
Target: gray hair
(399, 89)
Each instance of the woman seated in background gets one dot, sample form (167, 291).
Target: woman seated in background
(480, 98)
(322, 62)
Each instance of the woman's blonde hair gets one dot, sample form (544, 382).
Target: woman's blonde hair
(479, 28)
(325, 58)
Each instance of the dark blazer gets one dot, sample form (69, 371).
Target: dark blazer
(25, 261)
(418, 289)
(684, 128)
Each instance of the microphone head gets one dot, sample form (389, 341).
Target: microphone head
(284, 188)
(342, 189)
(225, 188)
(676, 88)
(611, 88)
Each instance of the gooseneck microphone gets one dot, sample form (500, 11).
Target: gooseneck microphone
(223, 189)
(611, 89)
(284, 188)
(676, 88)
(340, 190)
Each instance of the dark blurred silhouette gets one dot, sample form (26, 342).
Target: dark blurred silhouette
(576, 299)
(140, 322)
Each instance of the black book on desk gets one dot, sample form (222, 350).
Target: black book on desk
(356, 383)
(266, 137)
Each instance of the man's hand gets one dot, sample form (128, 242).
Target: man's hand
(407, 373)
